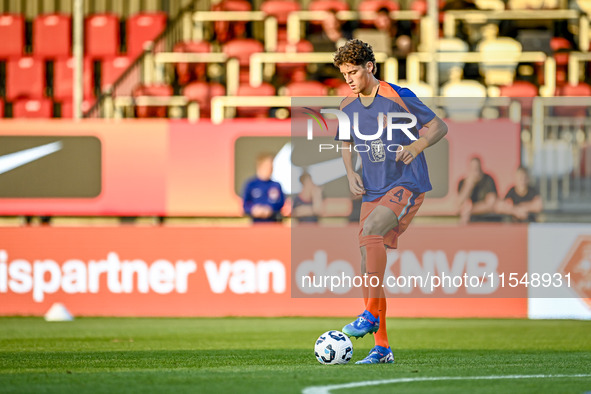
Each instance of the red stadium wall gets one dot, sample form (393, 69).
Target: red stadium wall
(239, 271)
(173, 168)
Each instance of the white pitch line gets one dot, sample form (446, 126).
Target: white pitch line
(328, 389)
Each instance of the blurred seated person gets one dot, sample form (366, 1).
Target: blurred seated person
(263, 198)
(477, 195)
(523, 201)
(459, 5)
(390, 37)
(464, 29)
(398, 32)
(533, 4)
(308, 203)
(334, 33)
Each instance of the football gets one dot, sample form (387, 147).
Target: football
(333, 347)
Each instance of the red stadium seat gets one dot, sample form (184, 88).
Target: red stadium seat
(25, 78)
(328, 5)
(343, 90)
(102, 35)
(141, 28)
(294, 72)
(232, 5)
(419, 6)
(13, 26)
(242, 48)
(160, 90)
(519, 89)
(561, 48)
(52, 35)
(68, 107)
(187, 72)
(376, 5)
(334, 83)
(266, 89)
(1, 108)
(202, 93)
(224, 30)
(301, 46)
(29, 108)
(64, 78)
(112, 69)
(280, 9)
(153, 90)
(306, 89)
(580, 90)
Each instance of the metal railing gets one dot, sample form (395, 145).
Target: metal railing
(574, 66)
(295, 19)
(258, 60)
(560, 152)
(416, 58)
(484, 16)
(270, 26)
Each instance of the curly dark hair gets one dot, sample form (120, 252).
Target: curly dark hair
(355, 52)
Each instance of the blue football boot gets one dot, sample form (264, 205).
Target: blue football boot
(378, 355)
(365, 324)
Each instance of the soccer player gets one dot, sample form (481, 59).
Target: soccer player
(263, 197)
(394, 179)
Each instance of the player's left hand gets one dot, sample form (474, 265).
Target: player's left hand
(405, 155)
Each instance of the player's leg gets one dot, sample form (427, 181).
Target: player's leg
(381, 352)
(379, 222)
(366, 209)
(381, 337)
(364, 289)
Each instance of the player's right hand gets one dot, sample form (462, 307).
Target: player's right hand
(356, 184)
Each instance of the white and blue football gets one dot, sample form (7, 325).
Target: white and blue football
(333, 347)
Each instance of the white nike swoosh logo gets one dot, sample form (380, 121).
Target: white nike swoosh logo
(322, 173)
(17, 159)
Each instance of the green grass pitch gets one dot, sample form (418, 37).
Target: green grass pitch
(259, 355)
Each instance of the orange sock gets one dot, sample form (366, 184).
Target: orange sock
(375, 262)
(381, 337)
(365, 291)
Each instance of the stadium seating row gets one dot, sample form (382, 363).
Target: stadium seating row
(26, 77)
(51, 36)
(48, 73)
(37, 78)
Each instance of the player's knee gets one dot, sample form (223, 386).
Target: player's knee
(371, 227)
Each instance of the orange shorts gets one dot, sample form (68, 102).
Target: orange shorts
(403, 203)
